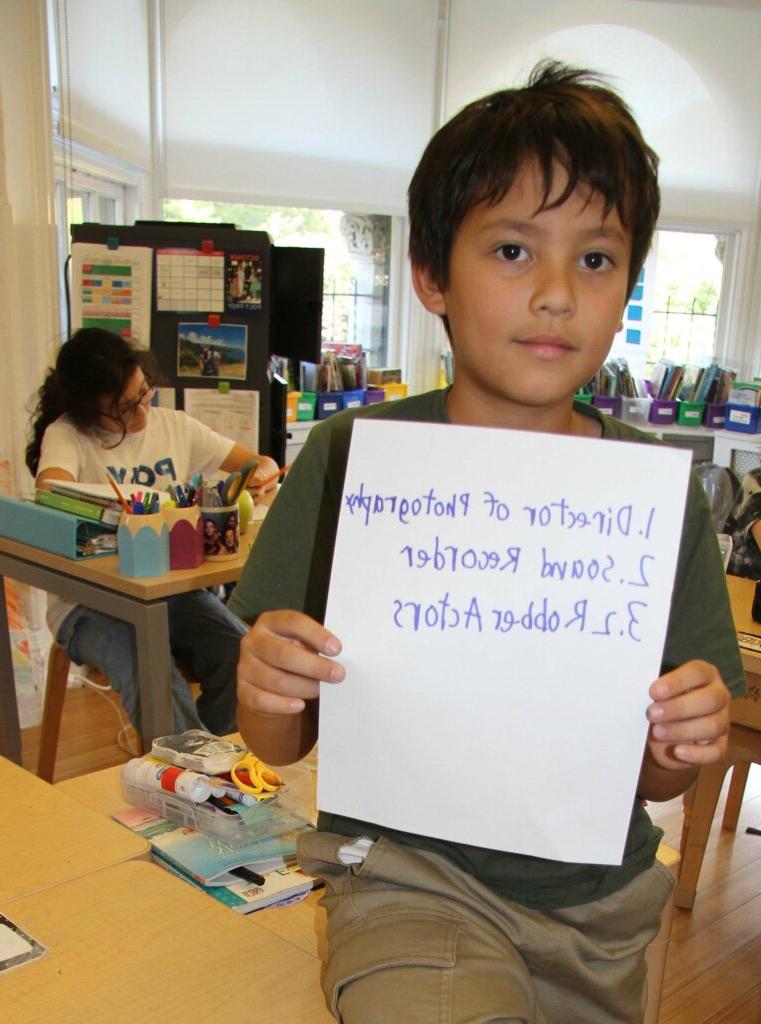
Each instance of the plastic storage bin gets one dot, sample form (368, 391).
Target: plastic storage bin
(663, 411)
(306, 405)
(690, 414)
(352, 399)
(715, 416)
(328, 402)
(584, 397)
(395, 391)
(635, 410)
(610, 405)
(374, 395)
(292, 406)
(743, 418)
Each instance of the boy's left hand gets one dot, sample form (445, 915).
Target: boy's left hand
(689, 717)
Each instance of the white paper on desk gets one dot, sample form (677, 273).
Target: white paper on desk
(515, 738)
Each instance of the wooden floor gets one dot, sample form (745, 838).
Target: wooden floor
(713, 974)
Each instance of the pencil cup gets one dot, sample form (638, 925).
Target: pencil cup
(143, 545)
(221, 533)
(185, 537)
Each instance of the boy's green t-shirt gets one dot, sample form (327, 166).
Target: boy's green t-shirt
(289, 567)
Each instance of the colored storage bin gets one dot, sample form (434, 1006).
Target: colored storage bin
(663, 411)
(584, 397)
(690, 414)
(328, 402)
(715, 416)
(306, 405)
(395, 391)
(292, 406)
(743, 418)
(353, 399)
(610, 405)
(635, 410)
(374, 395)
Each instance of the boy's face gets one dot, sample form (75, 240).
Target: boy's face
(533, 303)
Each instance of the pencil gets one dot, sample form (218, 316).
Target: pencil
(119, 495)
(274, 477)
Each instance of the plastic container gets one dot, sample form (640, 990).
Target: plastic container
(221, 533)
(328, 402)
(583, 396)
(306, 405)
(635, 410)
(715, 416)
(610, 405)
(374, 395)
(690, 414)
(744, 418)
(292, 406)
(662, 411)
(353, 399)
(395, 391)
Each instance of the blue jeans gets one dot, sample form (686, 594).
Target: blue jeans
(203, 634)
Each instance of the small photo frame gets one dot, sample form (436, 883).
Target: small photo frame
(212, 353)
(243, 282)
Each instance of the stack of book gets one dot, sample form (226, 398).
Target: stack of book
(80, 501)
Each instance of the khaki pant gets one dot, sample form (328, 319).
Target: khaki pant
(414, 939)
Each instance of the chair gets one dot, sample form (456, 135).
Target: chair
(59, 664)
(655, 956)
(55, 692)
(744, 749)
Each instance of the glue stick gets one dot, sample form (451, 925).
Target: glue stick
(151, 775)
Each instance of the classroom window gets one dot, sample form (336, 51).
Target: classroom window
(689, 273)
(357, 261)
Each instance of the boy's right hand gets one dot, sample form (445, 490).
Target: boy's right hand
(283, 658)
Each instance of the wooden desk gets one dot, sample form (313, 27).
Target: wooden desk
(303, 924)
(96, 583)
(46, 837)
(133, 943)
(744, 747)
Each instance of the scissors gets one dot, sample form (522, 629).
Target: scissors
(251, 775)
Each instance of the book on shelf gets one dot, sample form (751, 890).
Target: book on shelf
(78, 506)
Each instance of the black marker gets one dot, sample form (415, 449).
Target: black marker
(248, 875)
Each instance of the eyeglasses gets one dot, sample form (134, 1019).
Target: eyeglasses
(143, 400)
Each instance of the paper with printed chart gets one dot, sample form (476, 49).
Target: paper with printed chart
(502, 599)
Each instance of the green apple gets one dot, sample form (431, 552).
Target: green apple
(245, 510)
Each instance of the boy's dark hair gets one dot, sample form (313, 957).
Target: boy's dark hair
(562, 114)
(93, 364)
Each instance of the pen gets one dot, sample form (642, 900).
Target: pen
(248, 875)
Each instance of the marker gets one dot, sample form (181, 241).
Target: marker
(232, 791)
(248, 875)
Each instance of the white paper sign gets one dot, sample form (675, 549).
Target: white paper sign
(502, 599)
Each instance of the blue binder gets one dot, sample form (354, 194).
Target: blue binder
(59, 532)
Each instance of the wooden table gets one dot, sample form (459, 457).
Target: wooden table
(302, 924)
(96, 583)
(744, 748)
(47, 837)
(133, 943)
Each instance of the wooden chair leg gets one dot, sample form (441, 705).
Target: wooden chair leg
(735, 795)
(55, 692)
(696, 829)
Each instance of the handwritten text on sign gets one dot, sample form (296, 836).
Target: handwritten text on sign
(504, 595)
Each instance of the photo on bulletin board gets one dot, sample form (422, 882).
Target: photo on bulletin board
(212, 352)
(243, 282)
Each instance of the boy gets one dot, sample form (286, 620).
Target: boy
(531, 214)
